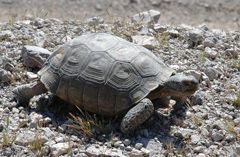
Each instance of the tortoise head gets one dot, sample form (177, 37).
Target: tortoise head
(181, 85)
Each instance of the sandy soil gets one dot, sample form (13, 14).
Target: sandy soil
(222, 14)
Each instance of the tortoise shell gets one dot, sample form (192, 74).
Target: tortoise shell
(102, 73)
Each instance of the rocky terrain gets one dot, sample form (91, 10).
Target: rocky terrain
(221, 14)
(207, 125)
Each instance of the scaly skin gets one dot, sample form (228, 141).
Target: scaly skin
(179, 85)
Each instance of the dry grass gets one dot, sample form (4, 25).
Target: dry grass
(87, 124)
(163, 39)
(235, 63)
(172, 151)
(236, 102)
(37, 143)
(8, 138)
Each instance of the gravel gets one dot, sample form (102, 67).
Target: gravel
(207, 126)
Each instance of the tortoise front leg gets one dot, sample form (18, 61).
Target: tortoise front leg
(137, 115)
(23, 93)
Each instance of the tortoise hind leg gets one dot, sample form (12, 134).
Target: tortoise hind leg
(137, 115)
(23, 93)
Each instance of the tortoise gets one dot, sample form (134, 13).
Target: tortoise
(109, 76)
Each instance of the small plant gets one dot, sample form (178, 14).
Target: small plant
(172, 151)
(235, 63)
(202, 56)
(37, 143)
(7, 138)
(198, 121)
(229, 126)
(163, 39)
(236, 102)
(84, 124)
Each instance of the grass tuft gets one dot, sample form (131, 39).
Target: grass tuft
(236, 102)
(37, 143)
(8, 139)
(87, 124)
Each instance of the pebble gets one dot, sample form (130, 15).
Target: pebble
(237, 121)
(208, 42)
(126, 142)
(195, 139)
(31, 76)
(233, 53)
(195, 37)
(93, 21)
(199, 149)
(5, 76)
(212, 54)
(138, 146)
(212, 73)
(217, 136)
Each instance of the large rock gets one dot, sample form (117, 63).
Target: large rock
(34, 56)
(146, 17)
(25, 137)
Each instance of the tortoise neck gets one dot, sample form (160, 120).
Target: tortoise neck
(159, 92)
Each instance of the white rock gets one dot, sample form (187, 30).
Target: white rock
(199, 149)
(40, 38)
(151, 16)
(201, 155)
(136, 153)
(146, 41)
(114, 152)
(96, 150)
(31, 75)
(145, 151)
(66, 39)
(138, 146)
(47, 132)
(60, 148)
(25, 137)
(173, 33)
(211, 53)
(126, 142)
(237, 121)
(195, 139)
(155, 147)
(208, 42)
